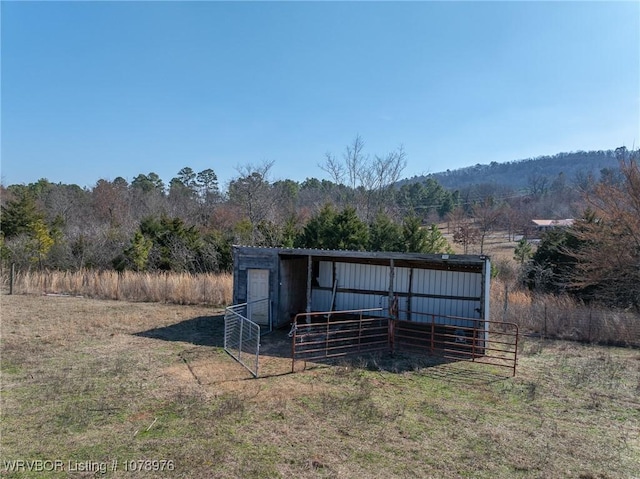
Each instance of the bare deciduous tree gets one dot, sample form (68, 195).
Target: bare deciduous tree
(466, 235)
(486, 215)
(369, 179)
(252, 192)
(608, 262)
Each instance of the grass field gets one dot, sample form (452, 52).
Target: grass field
(93, 383)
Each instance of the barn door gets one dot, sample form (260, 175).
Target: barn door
(258, 296)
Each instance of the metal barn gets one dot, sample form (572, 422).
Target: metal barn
(454, 288)
(352, 302)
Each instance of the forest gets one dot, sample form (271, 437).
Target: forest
(189, 223)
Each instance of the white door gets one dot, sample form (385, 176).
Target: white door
(258, 290)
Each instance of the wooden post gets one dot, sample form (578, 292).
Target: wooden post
(409, 294)
(391, 275)
(309, 280)
(506, 302)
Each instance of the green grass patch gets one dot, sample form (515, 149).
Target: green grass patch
(85, 388)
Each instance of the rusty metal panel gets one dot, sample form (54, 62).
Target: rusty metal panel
(354, 332)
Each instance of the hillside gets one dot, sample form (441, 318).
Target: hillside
(520, 174)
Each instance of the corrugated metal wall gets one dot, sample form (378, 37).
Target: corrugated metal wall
(362, 276)
(437, 292)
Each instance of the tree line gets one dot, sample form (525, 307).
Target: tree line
(598, 258)
(190, 223)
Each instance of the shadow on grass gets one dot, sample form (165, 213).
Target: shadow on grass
(201, 331)
(209, 331)
(430, 365)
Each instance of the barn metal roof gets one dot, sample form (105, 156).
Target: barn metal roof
(377, 257)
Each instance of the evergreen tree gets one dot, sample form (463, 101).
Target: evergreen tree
(384, 234)
(332, 230)
(22, 219)
(413, 236)
(19, 215)
(435, 242)
(523, 251)
(207, 182)
(137, 254)
(350, 233)
(420, 240)
(318, 232)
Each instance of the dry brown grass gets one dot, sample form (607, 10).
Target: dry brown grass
(496, 245)
(179, 288)
(562, 317)
(550, 316)
(90, 380)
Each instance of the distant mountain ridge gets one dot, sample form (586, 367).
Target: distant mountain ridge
(520, 173)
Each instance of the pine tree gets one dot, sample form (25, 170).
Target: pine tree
(435, 242)
(351, 233)
(384, 234)
(523, 251)
(19, 215)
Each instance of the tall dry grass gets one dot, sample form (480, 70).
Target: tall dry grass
(562, 317)
(547, 315)
(179, 288)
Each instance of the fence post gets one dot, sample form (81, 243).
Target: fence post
(433, 331)
(326, 341)
(240, 342)
(293, 347)
(12, 277)
(360, 331)
(473, 344)
(257, 353)
(506, 302)
(224, 341)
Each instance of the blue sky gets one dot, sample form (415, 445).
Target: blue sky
(97, 90)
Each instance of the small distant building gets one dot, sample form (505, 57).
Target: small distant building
(544, 225)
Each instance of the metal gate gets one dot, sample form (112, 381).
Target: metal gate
(242, 336)
(341, 333)
(335, 334)
(476, 340)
